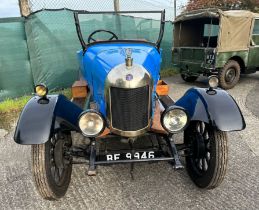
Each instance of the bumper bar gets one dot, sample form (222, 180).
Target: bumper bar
(133, 161)
(172, 157)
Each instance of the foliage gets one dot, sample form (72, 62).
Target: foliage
(12, 105)
(16, 105)
(252, 5)
(169, 72)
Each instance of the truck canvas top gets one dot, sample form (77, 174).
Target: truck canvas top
(233, 27)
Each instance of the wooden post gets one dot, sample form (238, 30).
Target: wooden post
(118, 21)
(116, 5)
(24, 7)
(174, 9)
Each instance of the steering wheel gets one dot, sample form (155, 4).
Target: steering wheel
(90, 38)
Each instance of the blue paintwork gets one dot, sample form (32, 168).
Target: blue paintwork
(220, 109)
(100, 59)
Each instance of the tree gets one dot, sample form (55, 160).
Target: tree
(252, 5)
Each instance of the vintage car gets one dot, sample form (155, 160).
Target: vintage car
(215, 42)
(125, 114)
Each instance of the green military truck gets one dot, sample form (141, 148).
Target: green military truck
(216, 42)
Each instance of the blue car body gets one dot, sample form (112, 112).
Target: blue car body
(100, 59)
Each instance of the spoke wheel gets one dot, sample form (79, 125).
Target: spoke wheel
(52, 166)
(207, 162)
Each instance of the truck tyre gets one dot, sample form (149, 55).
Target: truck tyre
(229, 75)
(206, 162)
(188, 78)
(51, 167)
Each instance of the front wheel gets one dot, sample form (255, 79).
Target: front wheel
(52, 167)
(206, 162)
(229, 75)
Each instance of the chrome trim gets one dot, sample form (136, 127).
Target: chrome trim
(131, 133)
(117, 78)
(129, 62)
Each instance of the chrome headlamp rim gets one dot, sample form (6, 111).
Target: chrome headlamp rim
(170, 109)
(95, 112)
(43, 86)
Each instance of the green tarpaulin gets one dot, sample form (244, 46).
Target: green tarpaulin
(15, 71)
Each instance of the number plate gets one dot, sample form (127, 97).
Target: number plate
(130, 156)
(210, 59)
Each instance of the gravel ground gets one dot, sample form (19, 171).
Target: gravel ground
(157, 185)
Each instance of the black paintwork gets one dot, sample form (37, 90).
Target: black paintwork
(220, 109)
(90, 37)
(41, 116)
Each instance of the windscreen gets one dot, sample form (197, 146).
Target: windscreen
(202, 32)
(255, 35)
(143, 26)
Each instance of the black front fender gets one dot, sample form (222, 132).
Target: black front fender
(40, 117)
(220, 109)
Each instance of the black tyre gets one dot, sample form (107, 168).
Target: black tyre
(206, 162)
(229, 75)
(51, 166)
(188, 78)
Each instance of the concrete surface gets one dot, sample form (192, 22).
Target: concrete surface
(156, 186)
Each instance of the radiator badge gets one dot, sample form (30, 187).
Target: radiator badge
(129, 77)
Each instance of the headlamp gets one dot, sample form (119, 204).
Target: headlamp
(41, 90)
(213, 81)
(174, 119)
(91, 123)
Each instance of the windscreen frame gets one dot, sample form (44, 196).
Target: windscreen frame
(85, 45)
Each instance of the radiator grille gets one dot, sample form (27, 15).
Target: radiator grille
(130, 108)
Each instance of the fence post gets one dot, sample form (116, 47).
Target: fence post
(116, 5)
(118, 21)
(24, 7)
(174, 9)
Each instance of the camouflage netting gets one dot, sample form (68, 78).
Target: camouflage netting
(52, 44)
(15, 71)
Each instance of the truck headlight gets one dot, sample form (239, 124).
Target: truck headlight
(174, 119)
(91, 123)
(213, 81)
